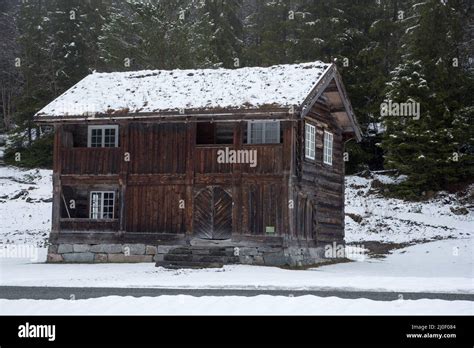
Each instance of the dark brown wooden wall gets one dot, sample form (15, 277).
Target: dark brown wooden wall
(319, 193)
(155, 208)
(166, 166)
(262, 206)
(157, 148)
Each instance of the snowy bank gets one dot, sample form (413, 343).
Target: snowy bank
(442, 266)
(234, 305)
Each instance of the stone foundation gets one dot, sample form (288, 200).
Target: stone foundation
(176, 256)
(100, 253)
(185, 255)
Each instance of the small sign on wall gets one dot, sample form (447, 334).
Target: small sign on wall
(270, 229)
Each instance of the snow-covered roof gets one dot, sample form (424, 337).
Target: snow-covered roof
(151, 91)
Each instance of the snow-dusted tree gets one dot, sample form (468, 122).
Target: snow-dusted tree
(148, 35)
(267, 33)
(435, 151)
(219, 24)
(10, 77)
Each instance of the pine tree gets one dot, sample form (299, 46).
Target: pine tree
(267, 34)
(221, 21)
(34, 65)
(73, 28)
(433, 150)
(144, 35)
(10, 78)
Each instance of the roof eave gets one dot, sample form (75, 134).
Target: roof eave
(330, 74)
(174, 115)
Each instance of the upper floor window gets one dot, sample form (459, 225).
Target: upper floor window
(209, 133)
(102, 204)
(328, 142)
(103, 136)
(263, 132)
(310, 141)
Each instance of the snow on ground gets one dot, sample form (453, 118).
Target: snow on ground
(233, 305)
(25, 209)
(390, 220)
(25, 206)
(441, 266)
(438, 266)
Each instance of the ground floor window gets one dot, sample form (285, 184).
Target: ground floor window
(102, 204)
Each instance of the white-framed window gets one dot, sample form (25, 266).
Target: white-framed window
(102, 205)
(328, 141)
(310, 141)
(102, 136)
(263, 132)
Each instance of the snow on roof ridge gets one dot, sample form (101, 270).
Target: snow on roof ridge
(95, 72)
(163, 90)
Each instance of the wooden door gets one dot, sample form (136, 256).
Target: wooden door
(213, 213)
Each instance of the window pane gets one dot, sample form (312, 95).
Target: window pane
(103, 136)
(108, 209)
(109, 137)
(96, 198)
(264, 133)
(328, 144)
(272, 132)
(256, 133)
(102, 205)
(310, 141)
(96, 137)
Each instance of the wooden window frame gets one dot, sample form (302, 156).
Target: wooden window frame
(307, 141)
(101, 206)
(328, 146)
(263, 122)
(103, 128)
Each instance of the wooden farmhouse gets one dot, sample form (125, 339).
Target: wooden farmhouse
(194, 168)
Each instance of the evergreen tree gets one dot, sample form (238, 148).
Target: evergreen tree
(10, 78)
(147, 35)
(433, 151)
(73, 28)
(221, 20)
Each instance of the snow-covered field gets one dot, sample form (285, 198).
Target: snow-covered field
(442, 266)
(234, 305)
(437, 256)
(391, 220)
(25, 206)
(25, 209)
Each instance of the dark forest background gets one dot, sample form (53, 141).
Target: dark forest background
(385, 50)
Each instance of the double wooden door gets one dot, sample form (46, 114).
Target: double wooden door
(213, 213)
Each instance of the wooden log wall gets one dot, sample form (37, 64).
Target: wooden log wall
(157, 148)
(159, 208)
(321, 186)
(166, 168)
(97, 161)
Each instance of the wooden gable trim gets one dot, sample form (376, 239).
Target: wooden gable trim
(348, 106)
(330, 75)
